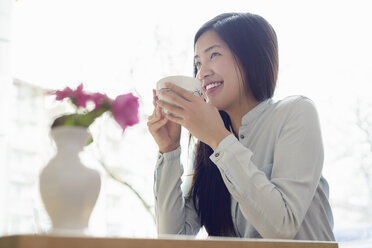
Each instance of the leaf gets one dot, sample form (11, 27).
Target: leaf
(83, 120)
(90, 141)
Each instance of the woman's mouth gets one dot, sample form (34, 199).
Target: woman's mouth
(213, 86)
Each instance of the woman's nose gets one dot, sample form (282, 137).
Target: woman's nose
(203, 72)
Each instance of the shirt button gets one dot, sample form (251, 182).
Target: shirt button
(242, 136)
(217, 154)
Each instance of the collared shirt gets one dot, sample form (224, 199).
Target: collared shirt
(273, 171)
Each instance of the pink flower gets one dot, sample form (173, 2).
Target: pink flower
(80, 96)
(125, 110)
(62, 94)
(99, 99)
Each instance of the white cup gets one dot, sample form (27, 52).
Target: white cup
(188, 83)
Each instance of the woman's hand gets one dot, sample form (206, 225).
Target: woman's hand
(166, 133)
(201, 119)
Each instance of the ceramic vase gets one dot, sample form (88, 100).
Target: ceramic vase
(69, 190)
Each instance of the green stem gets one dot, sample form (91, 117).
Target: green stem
(113, 176)
(83, 120)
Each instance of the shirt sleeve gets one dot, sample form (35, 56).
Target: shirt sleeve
(276, 207)
(175, 214)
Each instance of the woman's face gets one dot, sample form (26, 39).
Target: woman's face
(219, 72)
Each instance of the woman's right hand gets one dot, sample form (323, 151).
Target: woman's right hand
(166, 133)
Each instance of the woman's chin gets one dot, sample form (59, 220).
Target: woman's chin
(214, 103)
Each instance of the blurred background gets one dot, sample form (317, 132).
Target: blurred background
(116, 47)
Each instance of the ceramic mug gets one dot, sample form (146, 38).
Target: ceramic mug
(188, 83)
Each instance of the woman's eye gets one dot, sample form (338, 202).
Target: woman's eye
(197, 64)
(215, 54)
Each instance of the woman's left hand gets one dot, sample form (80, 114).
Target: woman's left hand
(201, 119)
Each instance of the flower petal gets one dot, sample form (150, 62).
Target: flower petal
(81, 97)
(62, 94)
(99, 99)
(125, 110)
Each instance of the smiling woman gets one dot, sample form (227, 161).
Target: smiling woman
(258, 164)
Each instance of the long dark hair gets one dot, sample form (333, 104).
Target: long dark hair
(253, 42)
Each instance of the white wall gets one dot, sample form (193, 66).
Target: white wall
(5, 89)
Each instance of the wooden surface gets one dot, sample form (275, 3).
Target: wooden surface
(39, 241)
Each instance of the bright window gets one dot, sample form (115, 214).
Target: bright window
(119, 46)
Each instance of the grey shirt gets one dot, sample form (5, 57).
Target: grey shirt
(273, 171)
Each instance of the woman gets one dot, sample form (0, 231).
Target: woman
(258, 163)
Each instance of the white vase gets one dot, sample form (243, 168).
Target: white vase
(68, 189)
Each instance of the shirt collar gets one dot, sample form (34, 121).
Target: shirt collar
(256, 111)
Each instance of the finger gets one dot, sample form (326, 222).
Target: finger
(154, 93)
(181, 91)
(157, 125)
(174, 119)
(153, 120)
(173, 97)
(150, 117)
(154, 98)
(170, 107)
(155, 115)
(159, 111)
(203, 97)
